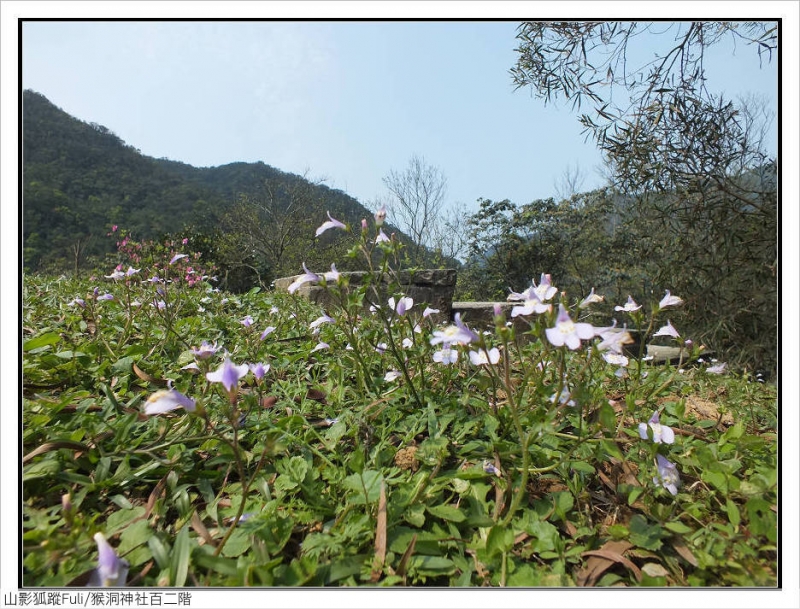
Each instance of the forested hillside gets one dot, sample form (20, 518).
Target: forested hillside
(80, 179)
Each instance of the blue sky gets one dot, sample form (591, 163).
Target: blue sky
(344, 101)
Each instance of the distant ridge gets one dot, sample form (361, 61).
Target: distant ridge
(80, 178)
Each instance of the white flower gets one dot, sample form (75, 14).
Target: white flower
(590, 299)
(567, 332)
(392, 375)
(669, 301)
(481, 357)
(445, 356)
(320, 346)
(167, 400)
(661, 433)
(629, 307)
(667, 330)
(428, 311)
(331, 223)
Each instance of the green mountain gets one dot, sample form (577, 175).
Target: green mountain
(79, 179)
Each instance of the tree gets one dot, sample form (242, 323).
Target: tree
(272, 229)
(668, 130)
(570, 182)
(703, 190)
(417, 199)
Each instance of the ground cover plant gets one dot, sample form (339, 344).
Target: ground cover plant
(176, 435)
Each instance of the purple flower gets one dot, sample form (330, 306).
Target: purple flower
(111, 570)
(667, 330)
(428, 311)
(629, 307)
(567, 332)
(259, 370)
(381, 238)
(229, 375)
(331, 223)
(247, 321)
(670, 301)
(667, 475)
(458, 333)
(106, 297)
(402, 305)
(320, 346)
(301, 279)
(177, 257)
(77, 301)
(131, 271)
(205, 350)
(267, 332)
(661, 433)
(490, 468)
(167, 400)
(323, 319)
(479, 358)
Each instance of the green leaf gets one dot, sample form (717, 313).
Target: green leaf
(608, 418)
(643, 534)
(181, 553)
(611, 449)
(238, 543)
(218, 564)
(369, 482)
(135, 535)
(563, 502)
(159, 550)
(433, 565)
(544, 533)
(499, 541)
(734, 433)
(121, 519)
(43, 340)
(447, 512)
(581, 467)
(300, 571)
(716, 479)
(733, 513)
(123, 365)
(40, 469)
(415, 515)
(678, 527)
(343, 567)
(634, 494)
(296, 468)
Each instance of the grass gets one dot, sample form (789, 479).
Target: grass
(326, 472)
